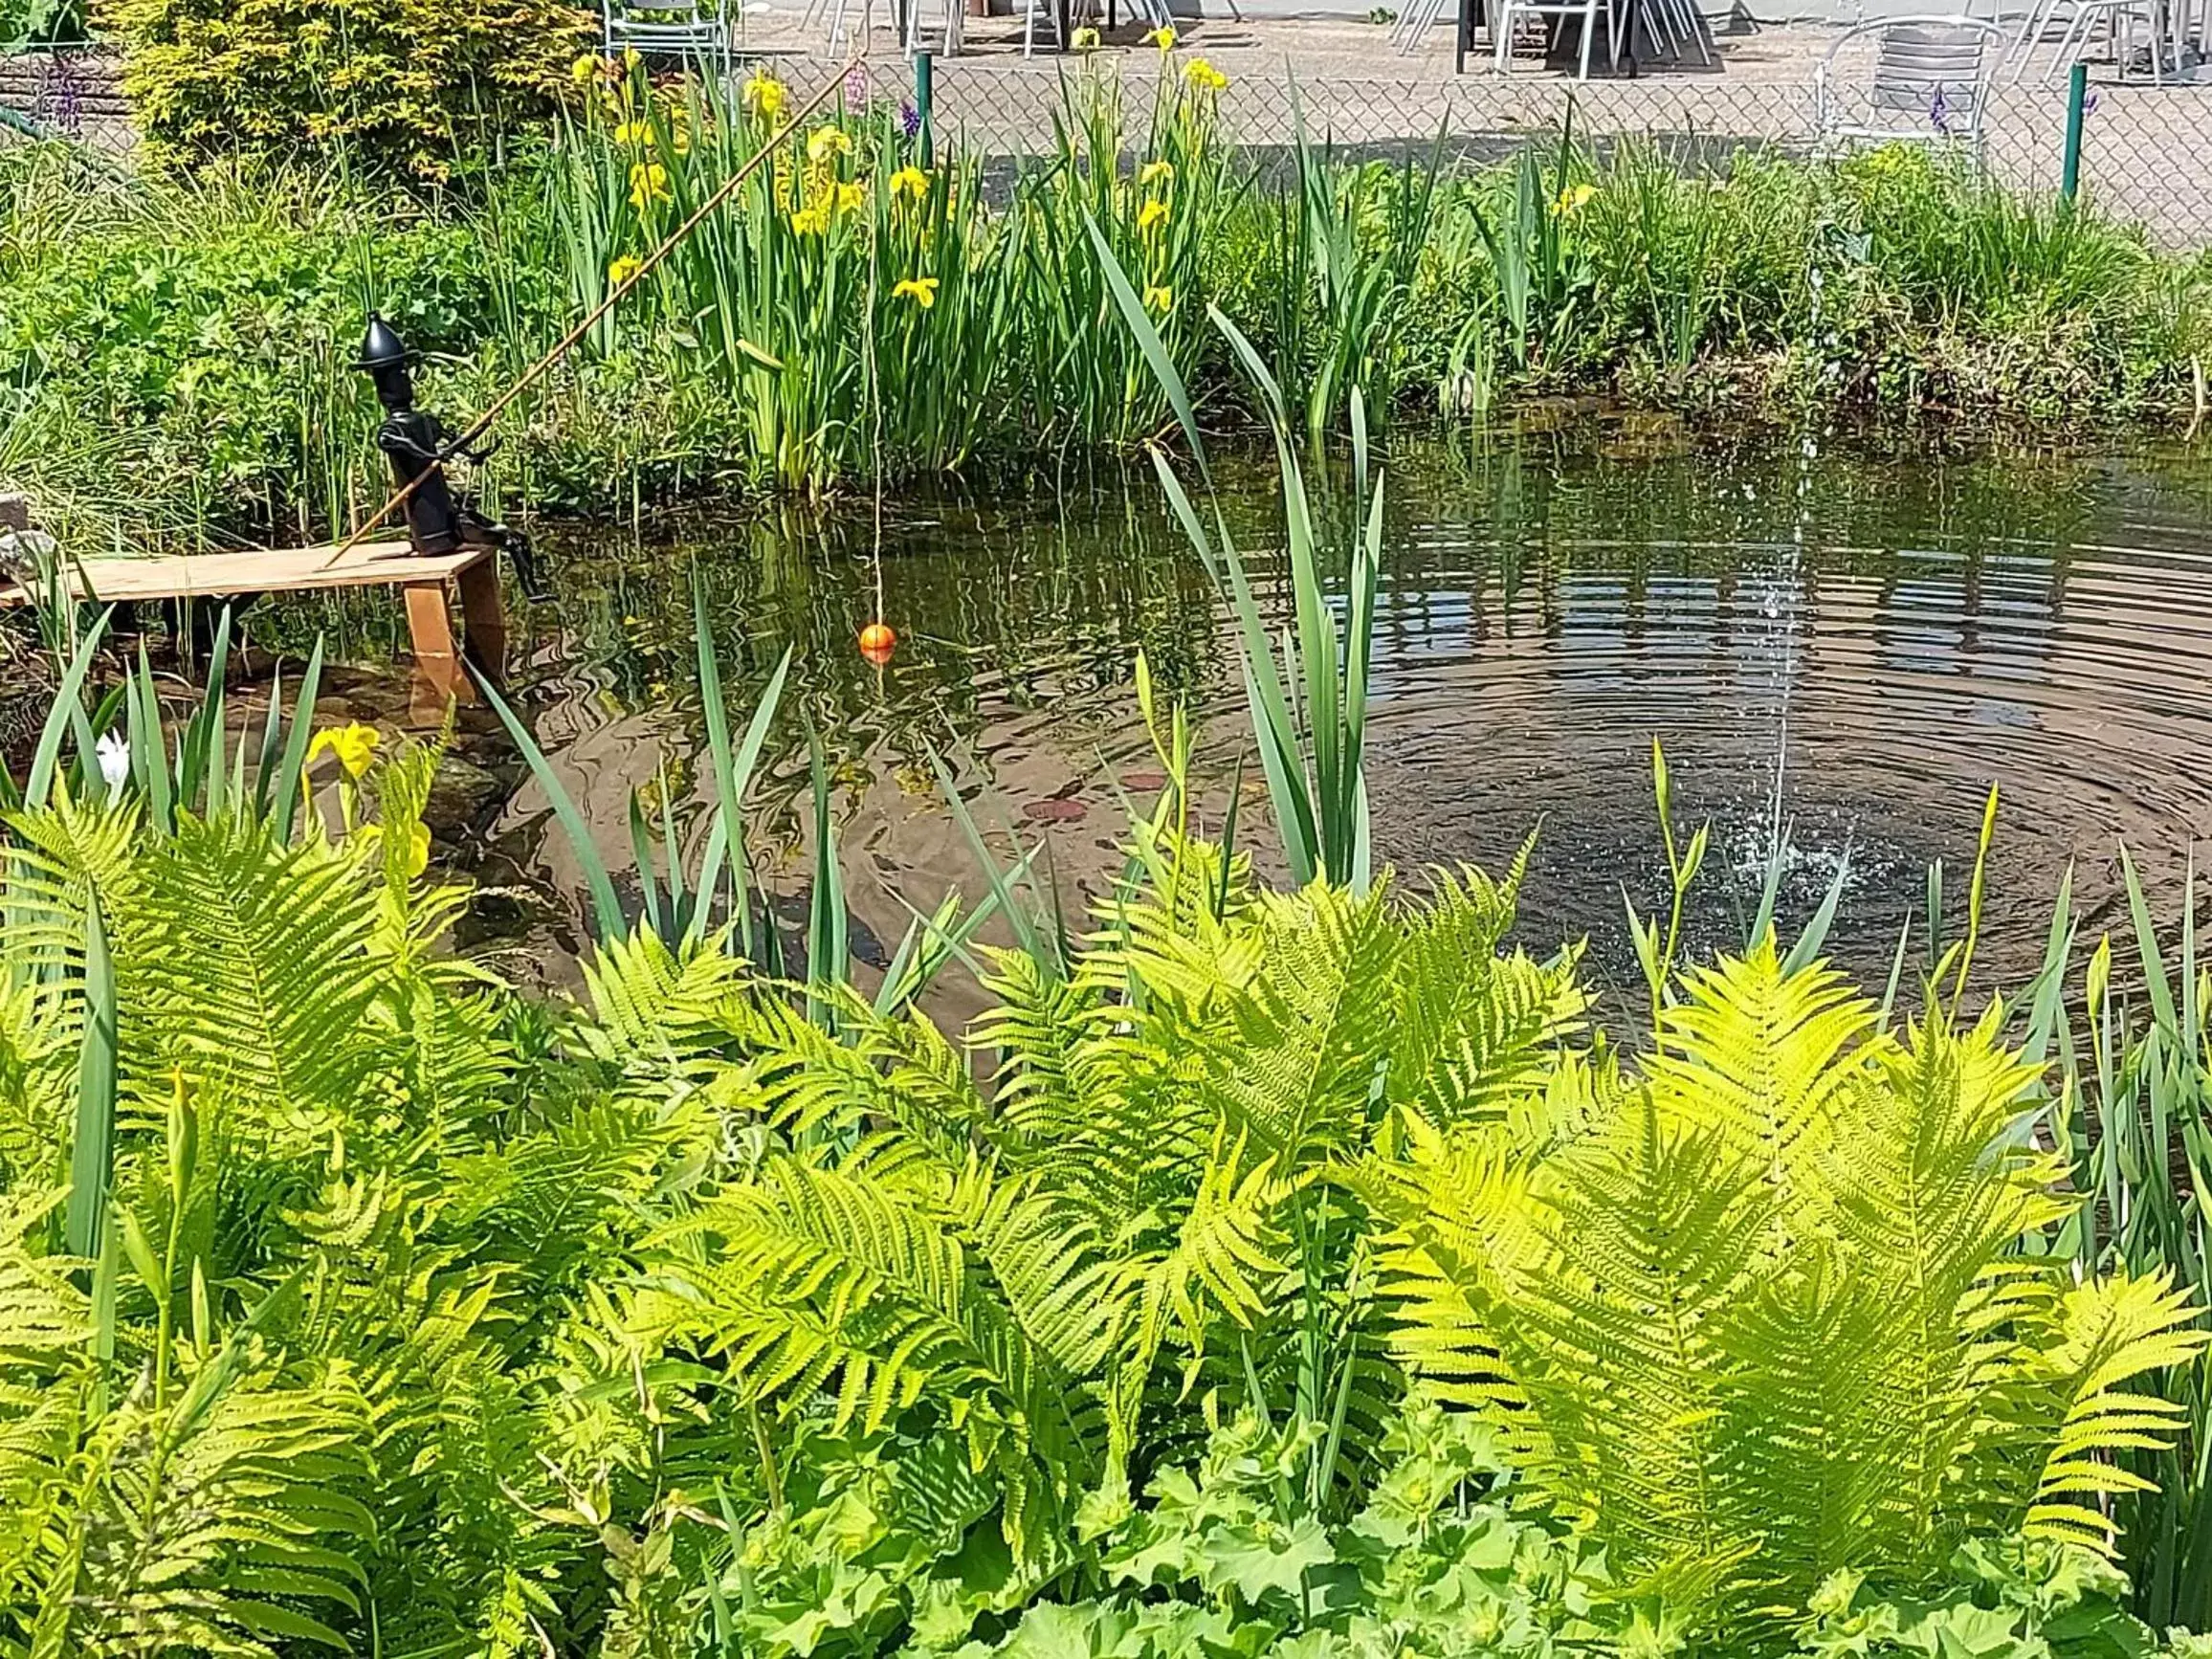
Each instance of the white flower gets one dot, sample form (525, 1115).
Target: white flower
(113, 751)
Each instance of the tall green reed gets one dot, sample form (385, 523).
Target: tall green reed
(1155, 213)
(1309, 703)
(1346, 246)
(2134, 1112)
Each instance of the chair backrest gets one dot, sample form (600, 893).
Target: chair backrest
(1931, 69)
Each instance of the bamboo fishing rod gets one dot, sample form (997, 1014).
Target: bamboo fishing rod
(614, 294)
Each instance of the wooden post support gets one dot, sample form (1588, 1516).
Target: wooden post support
(438, 676)
(484, 618)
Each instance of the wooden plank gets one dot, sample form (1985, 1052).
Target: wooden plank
(260, 570)
(437, 678)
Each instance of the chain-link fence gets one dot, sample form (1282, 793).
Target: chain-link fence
(2144, 152)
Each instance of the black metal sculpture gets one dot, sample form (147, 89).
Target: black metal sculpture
(420, 449)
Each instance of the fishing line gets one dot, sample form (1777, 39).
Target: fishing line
(614, 296)
(875, 445)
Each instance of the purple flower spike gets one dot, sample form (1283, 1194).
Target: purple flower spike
(1938, 111)
(909, 117)
(857, 88)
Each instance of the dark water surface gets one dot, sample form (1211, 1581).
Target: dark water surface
(1837, 647)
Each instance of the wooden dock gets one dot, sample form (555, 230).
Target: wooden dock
(421, 578)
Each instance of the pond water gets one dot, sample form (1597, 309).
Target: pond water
(1839, 646)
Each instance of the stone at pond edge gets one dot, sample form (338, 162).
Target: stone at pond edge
(461, 794)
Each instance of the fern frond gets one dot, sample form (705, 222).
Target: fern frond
(212, 1526)
(877, 1071)
(1653, 1235)
(2109, 1332)
(1471, 1030)
(58, 855)
(1925, 1131)
(255, 968)
(1292, 1057)
(1760, 1056)
(651, 1010)
(40, 1032)
(1458, 1233)
(876, 1287)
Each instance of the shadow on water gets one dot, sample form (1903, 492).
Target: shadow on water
(1839, 647)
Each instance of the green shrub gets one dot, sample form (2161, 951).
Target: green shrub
(224, 356)
(415, 86)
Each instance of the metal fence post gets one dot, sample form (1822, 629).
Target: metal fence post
(2077, 88)
(924, 86)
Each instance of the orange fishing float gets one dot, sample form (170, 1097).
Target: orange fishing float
(878, 642)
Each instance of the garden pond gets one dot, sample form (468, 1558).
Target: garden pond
(1841, 645)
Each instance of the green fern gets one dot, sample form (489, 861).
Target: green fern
(264, 976)
(1764, 1319)
(889, 1279)
(208, 1526)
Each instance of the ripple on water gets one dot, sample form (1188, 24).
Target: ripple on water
(1890, 636)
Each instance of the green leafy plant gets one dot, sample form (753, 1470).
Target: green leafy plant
(1759, 1318)
(418, 87)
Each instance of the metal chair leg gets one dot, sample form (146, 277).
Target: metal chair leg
(2032, 28)
(2064, 54)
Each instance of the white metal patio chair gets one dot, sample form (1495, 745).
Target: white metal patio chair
(844, 16)
(693, 29)
(1044, 13)
(2120, 20)
(1510, 11)
(1930, 84)
(1418, 18)
(1670, 22)
(950, 13)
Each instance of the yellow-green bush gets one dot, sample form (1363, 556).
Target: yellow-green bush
(417, 86)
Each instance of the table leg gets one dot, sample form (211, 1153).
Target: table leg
(484, 618)
(1060, 17)
(439, 679)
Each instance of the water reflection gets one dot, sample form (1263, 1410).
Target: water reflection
(1888, 633)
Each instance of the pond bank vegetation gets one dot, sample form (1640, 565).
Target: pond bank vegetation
(175, 348)
(1270, 1268)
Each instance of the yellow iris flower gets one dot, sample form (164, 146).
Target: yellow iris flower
(1571, 200)
(623, 270)
(1159, 299)
(1164, 37)
(1153, 212)
(353, 744)
(825, 142)
(583, 68)
(813, 221)
(648, 183)
(921, 290)
(908, 181)
(850, 197)
(1156, 172)
(1201, 75)
(764, 96)
(1086, 39)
